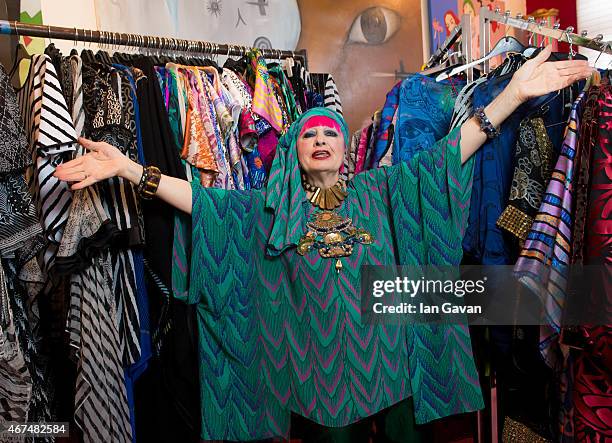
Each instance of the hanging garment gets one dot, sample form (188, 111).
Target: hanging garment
(599, 237)
(331, 99)
(264, 102)
(277, 324)
(424, 112)
(200, 143)
(167, 393)
(52, 140)
(102, 408)
(543, 261)
(13, 143)
(299, 82)
(100, 402)
(592, 384)
(534, 157)
(485, 242)
(110, 117)
(350, 155)
(247, 130)
(18, 218)
(289, 95)
(384, 137)
(362, 148)
(15, 379)
(100, 399)
(587, 139)
(22, 274)
(26, 388)
(135, 370)
(376, 123)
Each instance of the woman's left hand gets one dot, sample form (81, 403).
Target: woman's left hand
(538, 76)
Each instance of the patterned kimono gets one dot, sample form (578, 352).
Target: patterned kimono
(281, 332)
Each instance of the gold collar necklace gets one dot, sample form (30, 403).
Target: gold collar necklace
(326, 199)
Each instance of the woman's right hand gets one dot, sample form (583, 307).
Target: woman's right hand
(101, 162)
(104, 161)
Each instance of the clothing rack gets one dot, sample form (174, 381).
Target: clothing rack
(12, 27)
(536, 28)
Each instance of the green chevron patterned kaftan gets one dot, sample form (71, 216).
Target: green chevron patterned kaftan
(280, 332)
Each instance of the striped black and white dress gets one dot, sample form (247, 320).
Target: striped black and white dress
(52, 140)
(332, 96)
(101, 408)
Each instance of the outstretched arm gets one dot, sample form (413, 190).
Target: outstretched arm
(104, 161)
(535, 78)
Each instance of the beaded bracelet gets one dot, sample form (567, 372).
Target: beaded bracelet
(485, 124)
(147, 187)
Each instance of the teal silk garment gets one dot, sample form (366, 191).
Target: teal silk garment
(280, 332)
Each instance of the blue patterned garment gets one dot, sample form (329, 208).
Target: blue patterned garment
(134, 371)
(382, 136)
(425, 108)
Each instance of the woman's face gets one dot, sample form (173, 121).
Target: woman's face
(321, 150)
(450, 22)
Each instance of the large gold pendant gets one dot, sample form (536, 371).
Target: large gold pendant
(329, 198)
(332, 235)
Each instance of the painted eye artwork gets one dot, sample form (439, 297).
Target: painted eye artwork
(374, 26)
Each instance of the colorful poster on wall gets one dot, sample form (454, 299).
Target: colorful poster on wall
(472, 8)
(31, 13)
(443, 18)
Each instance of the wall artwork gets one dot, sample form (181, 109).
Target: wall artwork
(368, 46)
(472, 8)
(443, 18)
(30, 13)
(262, 23)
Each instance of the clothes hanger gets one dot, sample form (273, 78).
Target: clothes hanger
(595, 79)
(451, 61)
(531, 48)
(21, 54)
(504, 45)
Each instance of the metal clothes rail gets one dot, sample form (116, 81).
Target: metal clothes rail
(10, 27)
(536, 28)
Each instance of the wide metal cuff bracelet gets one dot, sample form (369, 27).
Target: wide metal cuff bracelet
(485, 124)
(149, 182)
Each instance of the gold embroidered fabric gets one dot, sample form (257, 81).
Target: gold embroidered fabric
(533, 154)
